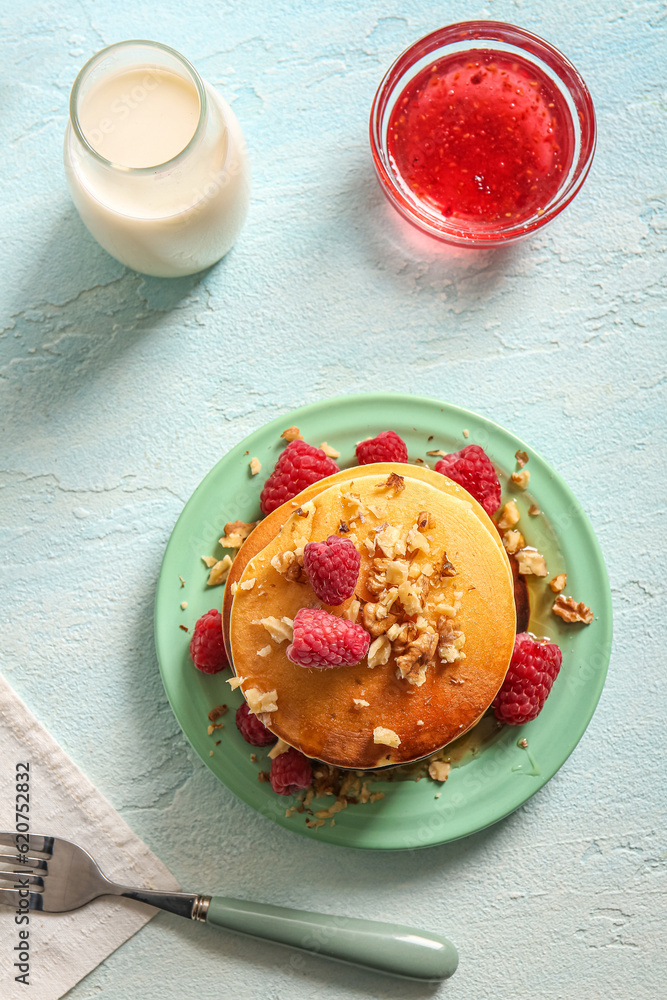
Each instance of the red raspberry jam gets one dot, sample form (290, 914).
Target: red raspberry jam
(482, 137)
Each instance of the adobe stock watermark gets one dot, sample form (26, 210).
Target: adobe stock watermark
(21, 949)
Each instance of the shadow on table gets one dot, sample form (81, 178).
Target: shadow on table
(76, 311)
(412, 258)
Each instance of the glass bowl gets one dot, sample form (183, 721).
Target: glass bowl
(497, 45)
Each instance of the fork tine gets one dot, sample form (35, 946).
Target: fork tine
(12, 897)
(18, 861)
(24, 877)
(40, 845)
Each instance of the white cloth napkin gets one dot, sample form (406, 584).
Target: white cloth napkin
(65, 947)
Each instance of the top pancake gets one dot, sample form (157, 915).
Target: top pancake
(434, 702)
(273, 522)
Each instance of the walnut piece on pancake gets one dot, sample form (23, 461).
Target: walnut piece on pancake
(290, 565)
(386, 736)
(531, 562)
(418, 656)
(389, 539)
(450, 641)
(394, 482)
(261, 702)
(379, 652)
(570, 611)
(278, 748)
(376, 619)
(280, 629)
(352, 611)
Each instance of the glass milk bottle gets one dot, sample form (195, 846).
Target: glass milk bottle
(155, 159)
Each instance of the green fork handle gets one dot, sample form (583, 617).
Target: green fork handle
(389, 948)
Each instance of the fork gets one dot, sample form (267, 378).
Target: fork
(56, 876)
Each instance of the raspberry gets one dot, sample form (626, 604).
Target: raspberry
(333, 568)
(206, 647)
(290, 772)
(323, 640)
(299, 466)
(251, 729)
(386, 447)
(471, 468)
(533, 669)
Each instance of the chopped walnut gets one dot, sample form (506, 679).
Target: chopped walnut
(290, 565)
(235, 682)
(379, 652)
(219, 572)
(343, 528)
(396, 572)
(438, 451)
(278, 748)
(446, 569)
(209, 561)
(255, 466)
(388, 539)
(394, 482)
(388, 597)
(420, 653)
(513, 541)
(377, 578)
(558, 583)
(450, 641)
(352, 611)
(568, 609)
(386, 736)
(401, 636)
(417, 542)
(439, 770)
(410, 598)
(531, 562)
(377, 619)
(534, 510)
(279, 629)
(217, 712)
(521, 479)
(264, 651)
(236, 533)
(425, 521)
(292, 434)
(521, 458)
(329, 451)
(248, 584)
(261, 702)
(360, 703)
(510, 516)
(466, 432)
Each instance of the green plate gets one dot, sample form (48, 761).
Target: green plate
(502, 775)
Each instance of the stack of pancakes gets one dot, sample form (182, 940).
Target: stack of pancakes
(432, 563)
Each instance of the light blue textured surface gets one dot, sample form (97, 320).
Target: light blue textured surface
(119, 392)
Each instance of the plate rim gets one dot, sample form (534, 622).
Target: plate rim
(454, 411)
